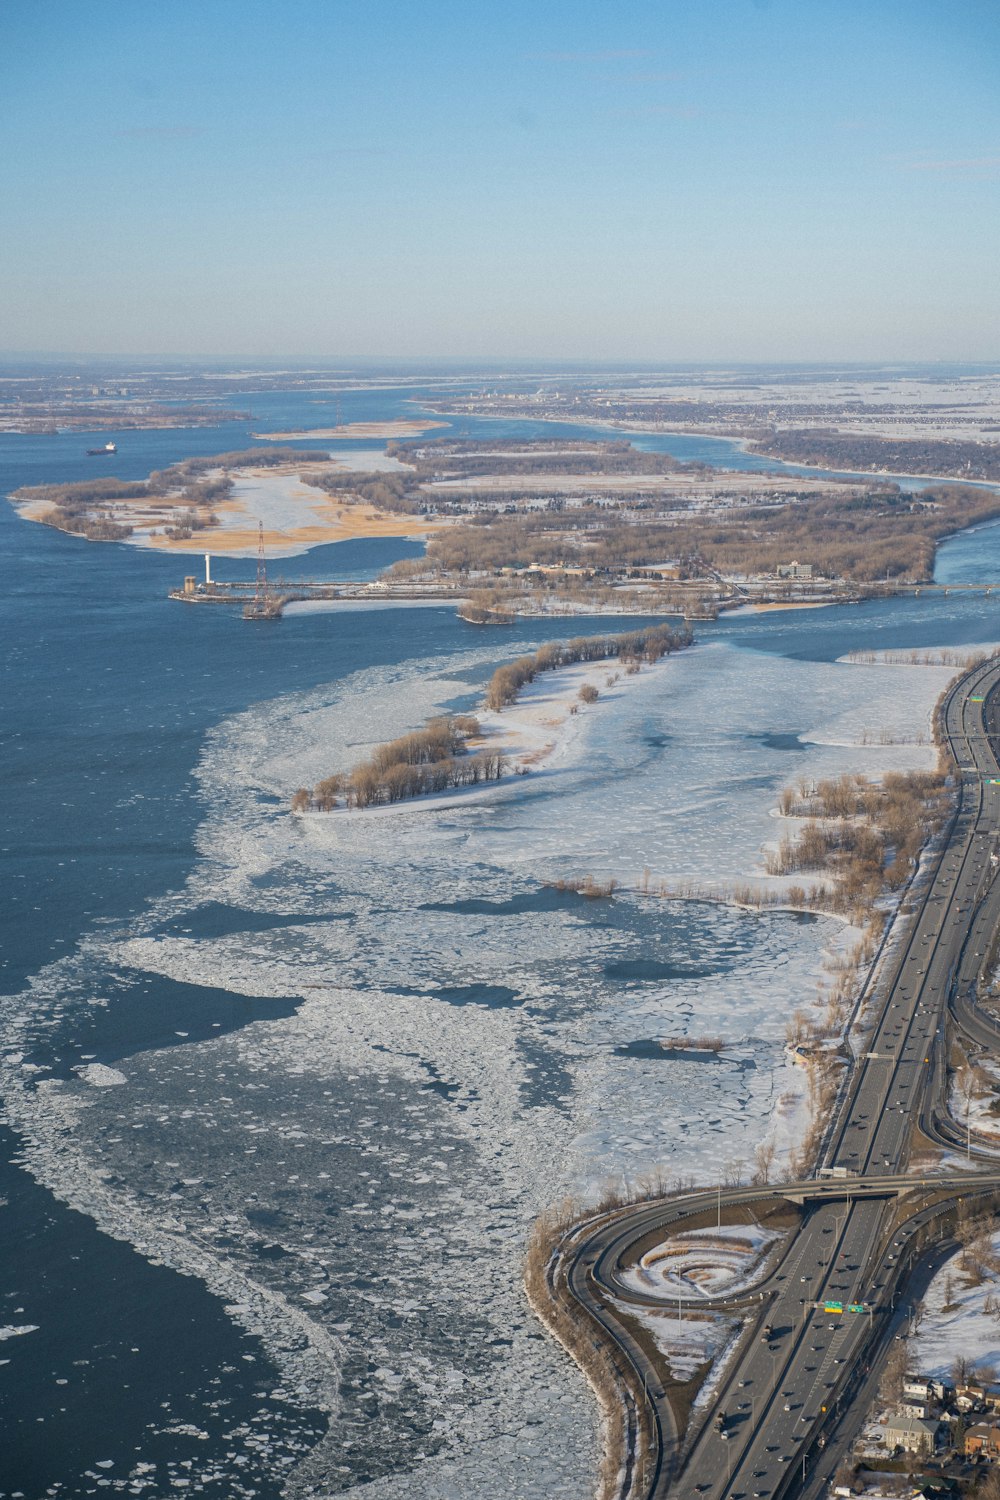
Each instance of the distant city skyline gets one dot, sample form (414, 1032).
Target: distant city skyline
(734, 181)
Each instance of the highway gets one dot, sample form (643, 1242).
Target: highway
(770, 1430)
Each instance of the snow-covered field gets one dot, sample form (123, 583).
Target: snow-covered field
(970, 1100)
(467, 1045)
(955, 1321)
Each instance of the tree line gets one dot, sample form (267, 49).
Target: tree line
(431, 459)
(396, 493)
(867, 835)
(431, 759)
(634, 645)
(841, 450)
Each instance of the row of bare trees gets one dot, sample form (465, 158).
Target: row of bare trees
(867, 834)
(631, 646)
(431, 759)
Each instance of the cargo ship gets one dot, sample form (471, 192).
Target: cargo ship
(102, 452)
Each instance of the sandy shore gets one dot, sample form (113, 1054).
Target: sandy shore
(400, 428)
(762, 609)
(548, 713)
(296, 515)
(307, 522)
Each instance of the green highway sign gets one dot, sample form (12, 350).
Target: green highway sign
(856, 1307)
(833, 1307)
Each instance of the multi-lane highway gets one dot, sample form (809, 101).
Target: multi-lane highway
(862, 1224)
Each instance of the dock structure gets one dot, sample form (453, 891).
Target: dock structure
(265, 599)
(268, 603)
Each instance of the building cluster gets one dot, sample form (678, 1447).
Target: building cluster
(936, 1418)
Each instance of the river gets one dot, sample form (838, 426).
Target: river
(331, 1073)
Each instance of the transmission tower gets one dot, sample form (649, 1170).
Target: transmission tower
(261, 608)
(260, 597)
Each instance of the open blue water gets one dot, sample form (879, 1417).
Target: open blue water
(109, 691)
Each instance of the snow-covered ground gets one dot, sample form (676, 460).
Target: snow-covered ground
(367, 461)
(703, 1262)
(467, 1044)
(955, 1321)
(282, 501)
(687, 1343)
(971, 1100)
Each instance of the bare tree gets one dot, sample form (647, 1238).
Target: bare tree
(891, 1384)
(763, 1159)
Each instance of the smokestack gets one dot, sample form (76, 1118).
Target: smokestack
(208, 569)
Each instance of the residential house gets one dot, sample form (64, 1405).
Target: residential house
(983, 1440)
(912, 1434)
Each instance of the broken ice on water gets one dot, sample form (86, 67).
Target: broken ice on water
(459, 1044)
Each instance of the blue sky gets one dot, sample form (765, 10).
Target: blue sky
(683, 180)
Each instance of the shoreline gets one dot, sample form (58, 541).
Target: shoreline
(379, 1027)
(738, 442)
(297, 516)
(328, 519)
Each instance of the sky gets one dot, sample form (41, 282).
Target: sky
(655, 181)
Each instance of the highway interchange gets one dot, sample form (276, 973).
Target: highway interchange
(773, 1426)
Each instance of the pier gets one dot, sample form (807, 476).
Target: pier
(701, 599)
(287, 591)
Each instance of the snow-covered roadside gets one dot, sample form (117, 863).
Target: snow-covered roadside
(686, 1343)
